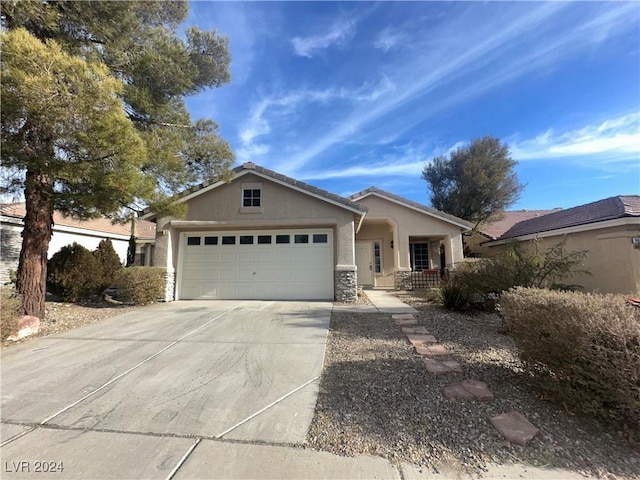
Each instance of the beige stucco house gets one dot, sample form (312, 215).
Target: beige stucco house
(263, 235)
(608, 229)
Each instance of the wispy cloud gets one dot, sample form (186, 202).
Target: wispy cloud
(275, 107)
(388, 39)
(616, 139)
(474, 57)
(338, 34)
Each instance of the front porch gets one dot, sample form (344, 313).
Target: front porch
(388, 257)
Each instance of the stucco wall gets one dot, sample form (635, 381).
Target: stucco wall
(412, 223)
(613, 261)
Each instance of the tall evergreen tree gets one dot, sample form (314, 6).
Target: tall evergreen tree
(93, 113)
(474, 183)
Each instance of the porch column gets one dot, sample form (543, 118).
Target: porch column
(163, 256)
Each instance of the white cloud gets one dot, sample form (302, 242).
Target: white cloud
(388, 39)
(338, 34)
(612, 140)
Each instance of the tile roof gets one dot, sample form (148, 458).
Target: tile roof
(144, 229)
(419, 206)
(608, 209)
(495, 228)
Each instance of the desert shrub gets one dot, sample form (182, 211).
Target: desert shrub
(140, 285)
(432, 295)
(519, 266)
(10, 311)
(454, 294)
(109, 263)
(73, 273)
(582, 348)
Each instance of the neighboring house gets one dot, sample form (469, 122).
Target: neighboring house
(67, 230)
(608, 229)
(264, 235)
(475, 244)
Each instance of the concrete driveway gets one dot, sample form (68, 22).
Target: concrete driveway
(132, 396)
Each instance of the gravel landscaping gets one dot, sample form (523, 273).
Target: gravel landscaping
(61, 317)
(377, 398)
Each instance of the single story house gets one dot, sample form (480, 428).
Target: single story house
(263, 235)
(608, 229)
(67, 230)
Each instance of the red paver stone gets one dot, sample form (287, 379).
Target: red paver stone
(480, 390)
(432, 350)
(416, 340)
(416, 330)
(400, 322)
(515, 427)
(434, 366)
(455, 391)
(402, 316)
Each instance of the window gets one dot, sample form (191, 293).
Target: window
(376, 257)
(301, 238)
(193, 240)
(228, 240)
(319, 238)
(264, 239)
(283, 239)
(210, 240)
(246, 239)
(251, 197)
(419, 256)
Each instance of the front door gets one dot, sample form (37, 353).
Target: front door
(364, 262)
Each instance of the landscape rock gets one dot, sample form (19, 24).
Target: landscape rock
(27, 325)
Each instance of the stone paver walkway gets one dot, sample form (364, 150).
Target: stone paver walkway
(513, 426)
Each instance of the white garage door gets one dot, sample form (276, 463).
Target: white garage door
(261, 265)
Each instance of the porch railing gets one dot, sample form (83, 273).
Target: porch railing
(428, 278)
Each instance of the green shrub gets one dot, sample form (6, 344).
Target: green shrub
(454, 294)
(10, 311)
(519, 265)
(433, 295)
(140, 285)
(584, 348)
(109, 265)
(73, 273)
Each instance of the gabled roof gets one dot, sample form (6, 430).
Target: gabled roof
(413, 205)
(144, 230)
(290, 182)
(612, 208)
(494, 229)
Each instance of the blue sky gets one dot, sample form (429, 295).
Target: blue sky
(346, 95)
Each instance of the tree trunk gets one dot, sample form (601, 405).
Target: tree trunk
(38, 224)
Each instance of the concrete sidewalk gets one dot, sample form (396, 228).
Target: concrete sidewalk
(386, 302)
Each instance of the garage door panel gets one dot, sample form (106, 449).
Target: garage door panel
(246, 270)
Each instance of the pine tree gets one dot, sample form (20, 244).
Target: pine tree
(93, 113)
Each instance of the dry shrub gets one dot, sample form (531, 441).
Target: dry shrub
(140, 285)
(584, 348)
(10, 311)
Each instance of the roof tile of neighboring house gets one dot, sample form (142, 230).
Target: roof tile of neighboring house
(496, 228)
(608, 209)
(416, 205)
(144, 229)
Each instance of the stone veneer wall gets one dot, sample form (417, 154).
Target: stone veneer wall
(402, 280)
(169, 285)
(346, 286)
